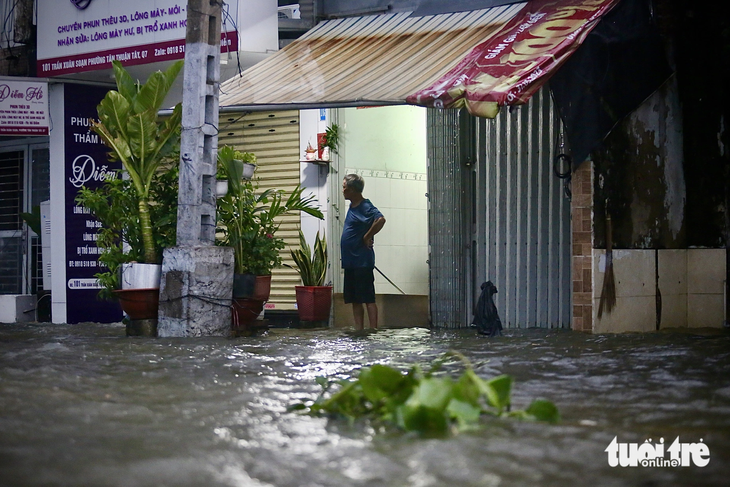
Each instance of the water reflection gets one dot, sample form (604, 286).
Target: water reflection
(84, 405)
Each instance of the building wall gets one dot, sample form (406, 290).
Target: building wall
(581, 210)
(639, 179)
(387, 147)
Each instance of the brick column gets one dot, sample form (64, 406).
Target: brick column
(582, 238)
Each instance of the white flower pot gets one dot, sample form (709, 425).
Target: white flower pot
(141, 276)
(248, 170)
(221, 187)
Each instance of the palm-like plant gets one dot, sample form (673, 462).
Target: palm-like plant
(128, 124)
(311, 267)
(248, 222)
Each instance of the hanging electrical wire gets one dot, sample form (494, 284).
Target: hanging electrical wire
(226, 15)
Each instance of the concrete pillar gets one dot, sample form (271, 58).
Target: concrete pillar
(195, 292)
(199, 142)
(197, 278)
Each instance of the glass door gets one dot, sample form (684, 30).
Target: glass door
(24, 183)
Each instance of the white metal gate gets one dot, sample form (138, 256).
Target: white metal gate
(498, 213)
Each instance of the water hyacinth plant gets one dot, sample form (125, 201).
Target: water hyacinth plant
(422, 402)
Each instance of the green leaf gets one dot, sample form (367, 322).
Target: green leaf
(463, 412)
(33, 219)
(466, 390)
(380, 381)
(125, 84)
(312, 268)
(153, 93)
(422, 419)
(543, 410)
(499, 391)
(113, 112)
(433, 393)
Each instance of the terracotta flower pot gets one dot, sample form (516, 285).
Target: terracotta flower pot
(245, 312)
(314, 302)
(251, 286)
(262, 288)
(139, 304)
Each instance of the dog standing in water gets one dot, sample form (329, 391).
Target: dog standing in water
(486, 319)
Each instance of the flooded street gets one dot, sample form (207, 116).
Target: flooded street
(83, 405)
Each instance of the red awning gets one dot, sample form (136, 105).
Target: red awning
(510, 65)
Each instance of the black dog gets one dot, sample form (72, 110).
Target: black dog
(486, 319)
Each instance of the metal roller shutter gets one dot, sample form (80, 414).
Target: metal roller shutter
(274, 138)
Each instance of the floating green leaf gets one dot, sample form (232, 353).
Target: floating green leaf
(499, 392)
(543, 410)
(428, 404)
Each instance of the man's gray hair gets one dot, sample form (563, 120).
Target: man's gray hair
(353, 181)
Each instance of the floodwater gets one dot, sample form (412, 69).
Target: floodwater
(83, 405)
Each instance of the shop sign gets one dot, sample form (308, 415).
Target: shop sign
(509, 66)
(79, 36)
(87, 165)
(23, 107)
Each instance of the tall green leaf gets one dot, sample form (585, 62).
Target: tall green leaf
(312, 268)
(128, 125)
(126, 86)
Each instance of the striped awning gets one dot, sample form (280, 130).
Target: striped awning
(434, 60)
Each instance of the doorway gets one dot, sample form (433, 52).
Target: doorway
(387, 147)
(24, 184)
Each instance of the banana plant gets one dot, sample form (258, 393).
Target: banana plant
(128, 124)
(311, 267)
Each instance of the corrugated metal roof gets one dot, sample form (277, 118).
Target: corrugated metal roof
(379, 59)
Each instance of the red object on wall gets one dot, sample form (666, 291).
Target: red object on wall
(320, 145)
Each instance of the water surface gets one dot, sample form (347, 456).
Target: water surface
(83, 405)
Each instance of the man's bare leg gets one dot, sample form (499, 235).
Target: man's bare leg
(358, 312)
(372, 315)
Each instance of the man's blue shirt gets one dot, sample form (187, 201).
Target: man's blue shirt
(357, 223)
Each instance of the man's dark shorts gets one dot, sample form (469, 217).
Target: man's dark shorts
(359, 285)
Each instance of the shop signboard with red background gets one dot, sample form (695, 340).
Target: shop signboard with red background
(512, 64)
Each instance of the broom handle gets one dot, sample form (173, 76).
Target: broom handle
(609, 239)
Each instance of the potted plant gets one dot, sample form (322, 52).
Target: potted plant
(330, 141)
(248, 221)
(233, 164)
(314, 299)
(138, 212)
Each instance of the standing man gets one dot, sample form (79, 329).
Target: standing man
(358, 257)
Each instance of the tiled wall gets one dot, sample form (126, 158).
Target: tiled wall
(635, 279)
(582, 244)
(690, 283)
(401, 248)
